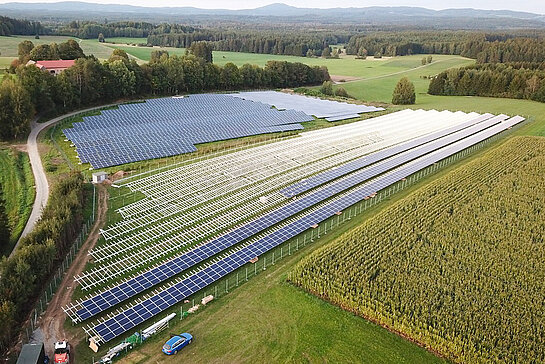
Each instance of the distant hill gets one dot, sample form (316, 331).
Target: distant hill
(461, 18)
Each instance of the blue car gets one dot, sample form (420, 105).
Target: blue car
(176, 343)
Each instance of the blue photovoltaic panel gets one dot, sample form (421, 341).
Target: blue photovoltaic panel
(167, 270)
(321, 178)
(139, 313)
(171, 126)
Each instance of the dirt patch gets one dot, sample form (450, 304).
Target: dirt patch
(52, 322)
(342, 79)
(117, 175)
(19, 147)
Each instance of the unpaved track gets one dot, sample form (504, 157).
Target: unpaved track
(52, 322)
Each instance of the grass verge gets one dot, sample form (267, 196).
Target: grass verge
(17, 183)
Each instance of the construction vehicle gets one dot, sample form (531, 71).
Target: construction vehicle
(62, 352)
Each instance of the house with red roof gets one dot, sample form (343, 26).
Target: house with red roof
(53, 67)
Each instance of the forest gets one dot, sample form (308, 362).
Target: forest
(518, 46)
(301, 43)
(92, 82)
(480, 301)
(10, 26)
(519, 80)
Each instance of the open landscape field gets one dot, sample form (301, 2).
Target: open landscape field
(17, 184)
(463, 254)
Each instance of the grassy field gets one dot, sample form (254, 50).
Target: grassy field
(8, 45)
(345, 66)
(123, 40)
(17, 183)
(380, 85)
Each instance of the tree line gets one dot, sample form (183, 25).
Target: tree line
(263, 42)
(522, 80)
(485, 48)
(10, 26)
(23, 276)
(91, 82)
(91, 30)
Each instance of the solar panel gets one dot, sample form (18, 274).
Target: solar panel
(171, 126)
(132, 316)
(199, 254)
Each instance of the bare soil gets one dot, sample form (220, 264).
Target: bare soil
(342, 79)
(52, 322)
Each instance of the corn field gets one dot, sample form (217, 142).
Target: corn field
(458, 266)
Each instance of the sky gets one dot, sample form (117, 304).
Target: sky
(534, 6)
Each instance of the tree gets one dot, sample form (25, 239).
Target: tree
(23, 50)
(16, 109)
(362, 53)
(101, 38)
(404, 93)
(327, 88)
(69, 50)
(341, 92)
(202, 50)
(119, 54)
(123, 78)
(44, 52)
(158, 56)
(326, 52)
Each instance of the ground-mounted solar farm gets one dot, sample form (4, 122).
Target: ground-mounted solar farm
(195, 223)
(170, 126)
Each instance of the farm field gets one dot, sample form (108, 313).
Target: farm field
(8, 45)
(17, 185)
(346, 66)
(125, 40)
(414, 274)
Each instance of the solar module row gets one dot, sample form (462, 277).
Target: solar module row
(136, 285)
(171, 126)
(321, 178)
(320, 108)
(133, 316)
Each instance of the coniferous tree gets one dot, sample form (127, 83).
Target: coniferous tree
(404, 93)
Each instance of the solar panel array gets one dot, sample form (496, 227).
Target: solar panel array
(170, 126)
(199, 201)
(171, 294)
(426, 144)
(330, 110)
(222, 194)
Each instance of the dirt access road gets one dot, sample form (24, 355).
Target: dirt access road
(52, 322)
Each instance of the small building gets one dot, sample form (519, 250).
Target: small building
(99, 177)
(32, 354)
(53, 67)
